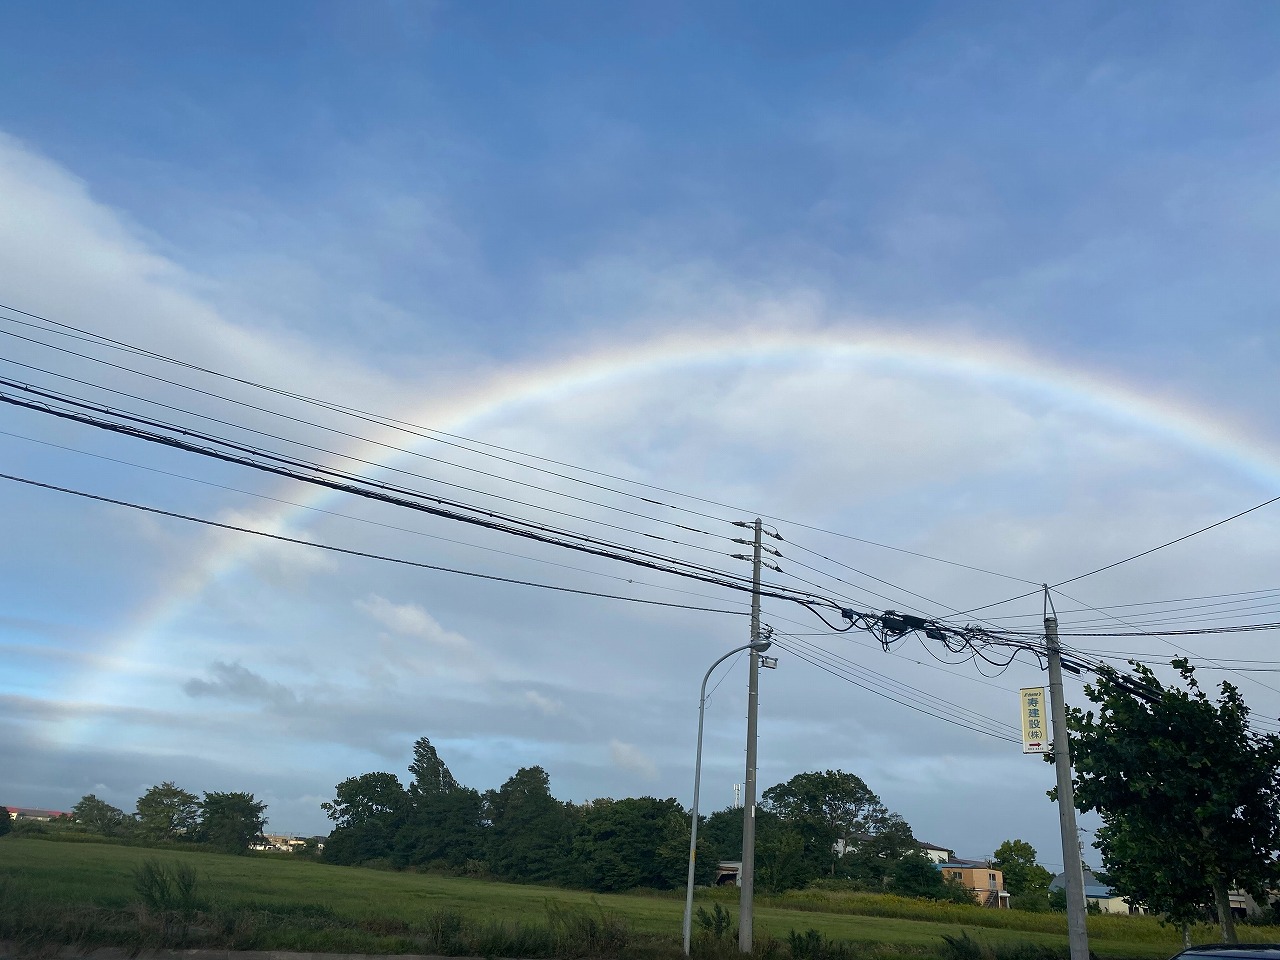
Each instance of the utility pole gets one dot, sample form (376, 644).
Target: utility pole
(748, 871)
(1077, 931)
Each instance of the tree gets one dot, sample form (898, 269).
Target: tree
(6, 822)
(636, 842)
(430, 775)
(1189, 796)
(530, 833)
(1016, 859)
(98, 815)
(168, 811)
(830, 810)
(442, 818)
(230, 821)
(368, 812)
(870, 859)
(915, 875)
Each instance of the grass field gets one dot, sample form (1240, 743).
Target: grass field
(305, 905)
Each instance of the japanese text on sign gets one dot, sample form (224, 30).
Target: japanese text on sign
(1035, 721)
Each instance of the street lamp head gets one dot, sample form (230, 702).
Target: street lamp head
(760, 646)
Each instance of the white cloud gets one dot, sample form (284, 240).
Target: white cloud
(548, 706)
(411, 620)
(630, 758)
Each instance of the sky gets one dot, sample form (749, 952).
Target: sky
(929, 287)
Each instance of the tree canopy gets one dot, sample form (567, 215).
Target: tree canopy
(1016, 859)
(231, 821)
(367, 811)
(1189, 795)
(530, 833)
(831, 813)
(167, 811)
(98, 815)
(635, 842)
(442, 821)
(826, 826)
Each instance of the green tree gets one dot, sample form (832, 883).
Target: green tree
(781, 863)
(368, 811)
(831, 811)
(870, 859)
(98, 815)
(430, 775)
(636, 842)
(230, 821)
(530, 835)
(442, 818)
(1189, 795)
(784, 855)
(916, 875)
(722, 832)
(167, 811)
(6, 821)
(1016, 859)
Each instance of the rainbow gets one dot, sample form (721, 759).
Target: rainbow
(1003, 367)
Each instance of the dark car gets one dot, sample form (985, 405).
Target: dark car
(1232, 951)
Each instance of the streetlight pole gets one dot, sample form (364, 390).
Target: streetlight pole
(755, 646)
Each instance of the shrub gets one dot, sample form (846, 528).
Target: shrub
(717, 922)
(165, 889)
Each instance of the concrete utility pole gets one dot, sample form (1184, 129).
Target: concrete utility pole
(748, 872)
(1077, 931)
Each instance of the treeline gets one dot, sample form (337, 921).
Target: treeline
(822, 827)
(226, 822)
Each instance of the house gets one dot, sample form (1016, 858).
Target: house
(984, 881)
(1108, 900)
(1099, 894)
(31, 813)
(281, 843)
(936, 855)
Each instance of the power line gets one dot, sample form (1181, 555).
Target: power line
(903, 689)
(1186, 536)
(1164, 637)
(367, 520)
(387, 467)
(1152, 603)
(482, 518)
(462, 442)
(836, 671)
(361, 553)
(319, 426)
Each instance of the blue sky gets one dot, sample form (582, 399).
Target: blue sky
(1023, 258)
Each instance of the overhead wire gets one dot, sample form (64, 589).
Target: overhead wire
(359, 553)
(903, 688)
(357, 459)
(1164, 638)
(372, 522)
(309, 423)
(1186, 536)
(1149, 603)
(579, 542)
(388, 467)
(461, 442)
(835, 669)
(293, 464)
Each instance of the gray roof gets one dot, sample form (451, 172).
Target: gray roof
(1093, 887)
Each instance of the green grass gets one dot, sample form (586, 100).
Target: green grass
(319, 907)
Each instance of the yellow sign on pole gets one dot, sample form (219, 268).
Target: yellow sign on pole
(1035, 721)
